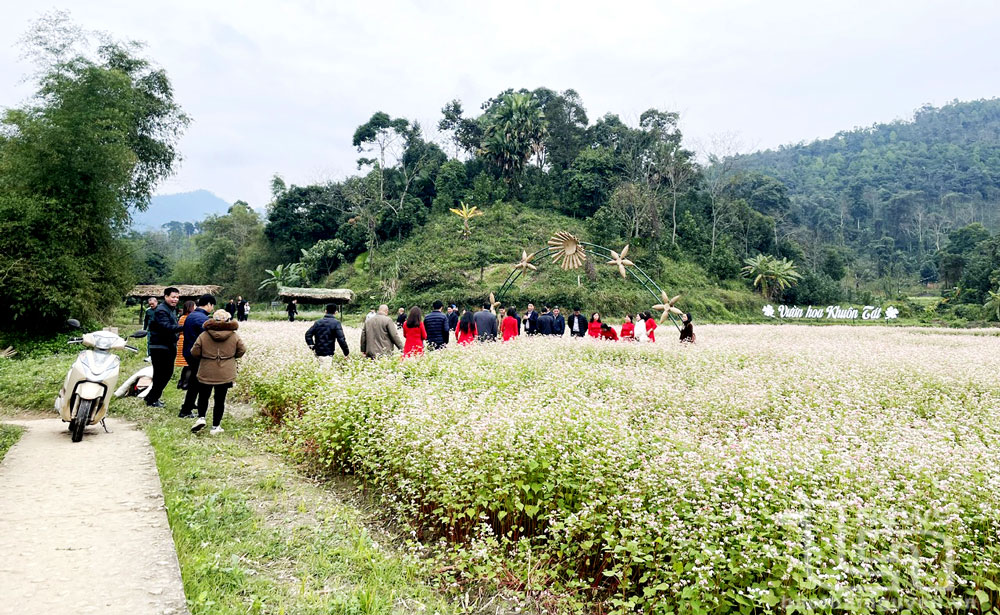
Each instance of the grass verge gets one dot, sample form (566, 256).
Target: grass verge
(254, 536)
(9, 435)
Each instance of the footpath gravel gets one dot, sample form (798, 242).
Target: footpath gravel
(82, 525)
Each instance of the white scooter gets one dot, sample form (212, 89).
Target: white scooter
(84, 397)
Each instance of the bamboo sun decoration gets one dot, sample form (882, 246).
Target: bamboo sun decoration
(570, 253)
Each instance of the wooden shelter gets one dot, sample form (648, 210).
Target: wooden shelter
(187, 291)
(339, 296)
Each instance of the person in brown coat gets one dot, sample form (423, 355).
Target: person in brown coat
(217, 349)
(379, 334)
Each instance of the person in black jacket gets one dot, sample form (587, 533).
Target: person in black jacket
(163, 332)
(292, 308)
(545, 325)
(577, 324)
(531, 320)
(323, 333)
(453, 317)
(486, 324)
(558, 324)
(400, 318)
(436, 324)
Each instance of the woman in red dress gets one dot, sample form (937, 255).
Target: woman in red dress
(508, 328)
(650, 326)
(594, 328)
(628, 329)
(467, 330)
(414, 333)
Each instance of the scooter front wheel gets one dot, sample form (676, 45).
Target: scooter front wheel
(82, 418)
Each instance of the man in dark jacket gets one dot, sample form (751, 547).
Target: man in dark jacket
(558, 324)
(193, 327)
(231, 307)
(486, 324)
(241, 309)
(323, 333)
(577, 324)
(163, 331)
(452, 317)
(531, 320)
(546, 323)
(436, 324)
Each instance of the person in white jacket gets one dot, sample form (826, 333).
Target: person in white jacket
(640, 329)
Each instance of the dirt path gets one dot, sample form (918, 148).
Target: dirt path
(82, 526)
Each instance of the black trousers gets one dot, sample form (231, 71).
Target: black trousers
(194, 390)
(163, 371)
(220, 401)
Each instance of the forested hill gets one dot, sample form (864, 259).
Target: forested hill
(909, 180)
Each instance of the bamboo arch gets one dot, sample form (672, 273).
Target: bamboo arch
(571, 253)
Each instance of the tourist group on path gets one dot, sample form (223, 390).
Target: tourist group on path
(204, 343)
(412, 332)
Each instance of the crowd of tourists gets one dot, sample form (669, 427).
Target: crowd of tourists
(412, 332)
(203, 341)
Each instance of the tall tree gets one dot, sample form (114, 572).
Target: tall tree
(98, 136)
(514, 133)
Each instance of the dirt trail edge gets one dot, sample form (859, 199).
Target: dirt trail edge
(82, 525)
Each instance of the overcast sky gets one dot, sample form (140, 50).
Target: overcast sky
(279, 87)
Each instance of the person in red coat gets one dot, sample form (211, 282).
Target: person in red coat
(608, 333)
(628, 329)
(510, 325)
(594, 328)
(650, 326)
(414, 333)
(466, 330)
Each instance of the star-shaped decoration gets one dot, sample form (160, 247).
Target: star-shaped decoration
(525, 263)
(891, 313)
(620, 261)
(494, 304)
(768, 311)
(667, 307)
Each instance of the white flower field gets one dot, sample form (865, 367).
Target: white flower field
(765, 469)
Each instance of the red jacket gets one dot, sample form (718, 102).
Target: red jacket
(650, 327)
(465, 339)
(414, 337)
(628, 331)
(610, 334)
(594, 329)
(508, 328)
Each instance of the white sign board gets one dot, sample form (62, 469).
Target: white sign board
(831, 312)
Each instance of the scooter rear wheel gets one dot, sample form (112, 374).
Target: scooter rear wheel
(82, 418)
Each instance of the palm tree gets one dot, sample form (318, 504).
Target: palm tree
(283, 275)
(993, 305)
(514, 133)
(770, 274)
(466, 213)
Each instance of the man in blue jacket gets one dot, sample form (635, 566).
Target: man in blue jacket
(163, 332)
(436, 324)
(559, 327)
(193, 326)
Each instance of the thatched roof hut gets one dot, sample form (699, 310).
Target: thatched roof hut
(187, 291)
(339, 296)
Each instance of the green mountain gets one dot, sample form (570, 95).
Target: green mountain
(909, 181)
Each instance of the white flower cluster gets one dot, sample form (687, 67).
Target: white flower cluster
(832, 468)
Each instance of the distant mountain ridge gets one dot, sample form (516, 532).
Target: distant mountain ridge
(182, 207)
